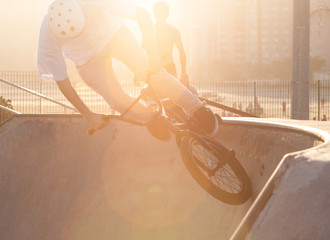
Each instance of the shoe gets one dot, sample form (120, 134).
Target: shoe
(158, 128)
(205, 119)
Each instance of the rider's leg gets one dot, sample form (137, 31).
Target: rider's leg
(169, 86)
(100, 76)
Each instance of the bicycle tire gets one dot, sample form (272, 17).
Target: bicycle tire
(229, 183)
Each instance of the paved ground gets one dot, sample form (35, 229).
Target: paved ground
(56, 182)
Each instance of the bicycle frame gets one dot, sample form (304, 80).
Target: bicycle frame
(146, 91)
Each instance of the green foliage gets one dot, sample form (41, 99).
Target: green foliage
(3, 113)
(5, 102)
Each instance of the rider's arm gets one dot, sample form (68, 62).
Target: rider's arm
(130, 9)
(95, 120)
(70, 93)
(51, 64)
(178, 43)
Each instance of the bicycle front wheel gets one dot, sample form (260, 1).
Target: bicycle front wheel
(216, 169)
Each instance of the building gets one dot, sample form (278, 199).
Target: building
(320, 34)
(245, 31)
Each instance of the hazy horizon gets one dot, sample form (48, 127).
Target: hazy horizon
(19, 26)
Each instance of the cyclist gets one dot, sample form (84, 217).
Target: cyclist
(92, 32)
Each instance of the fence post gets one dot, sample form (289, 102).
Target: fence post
(255, 97)
(318, 100)
(40, 91)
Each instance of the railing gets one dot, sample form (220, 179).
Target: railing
(320, 100)
(38, 95)
(263, 98)
(6, 113)
(45, 98)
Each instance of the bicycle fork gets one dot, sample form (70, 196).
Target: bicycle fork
(230, 154)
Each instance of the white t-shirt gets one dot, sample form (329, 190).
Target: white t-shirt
(103, 19)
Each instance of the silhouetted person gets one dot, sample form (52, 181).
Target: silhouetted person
(324, 118)
(284, 108)
(167, 36)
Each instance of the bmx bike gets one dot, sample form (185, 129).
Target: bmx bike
(212, 165)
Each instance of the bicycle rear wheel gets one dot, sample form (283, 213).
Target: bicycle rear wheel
(216, 169)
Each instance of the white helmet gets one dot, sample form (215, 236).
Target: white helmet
(66, 18)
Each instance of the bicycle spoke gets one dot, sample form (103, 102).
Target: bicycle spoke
(224, 177)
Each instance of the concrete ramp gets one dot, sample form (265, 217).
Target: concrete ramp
(56, 182)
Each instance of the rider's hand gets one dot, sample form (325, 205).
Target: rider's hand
(96, 121)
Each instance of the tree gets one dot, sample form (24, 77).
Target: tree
(3, 113)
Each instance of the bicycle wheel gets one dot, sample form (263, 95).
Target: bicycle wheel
(216, 169)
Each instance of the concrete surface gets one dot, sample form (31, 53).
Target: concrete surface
(56, 182)
(294, 203)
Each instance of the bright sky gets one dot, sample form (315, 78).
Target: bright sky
(19, 28)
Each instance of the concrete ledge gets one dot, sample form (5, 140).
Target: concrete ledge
(294, 204)
(261, 145)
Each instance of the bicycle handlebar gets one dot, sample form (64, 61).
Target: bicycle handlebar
(91, 131)
(146, 91)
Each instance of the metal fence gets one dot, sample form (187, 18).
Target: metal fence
(263, 98)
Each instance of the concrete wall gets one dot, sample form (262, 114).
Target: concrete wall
(56, 182)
